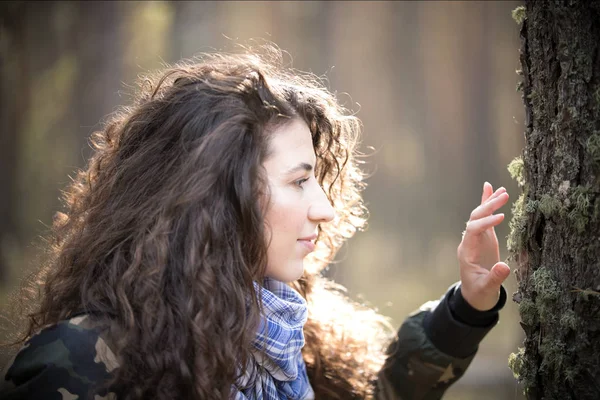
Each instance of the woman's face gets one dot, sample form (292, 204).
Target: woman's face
(297, 204)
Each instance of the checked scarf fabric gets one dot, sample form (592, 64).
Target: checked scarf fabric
(277, 366)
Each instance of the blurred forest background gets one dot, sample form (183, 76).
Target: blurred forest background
(433, 82)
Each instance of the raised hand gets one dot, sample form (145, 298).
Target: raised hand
(481, 271)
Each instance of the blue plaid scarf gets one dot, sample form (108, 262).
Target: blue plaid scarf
(277, 365)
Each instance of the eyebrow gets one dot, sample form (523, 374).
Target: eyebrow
(300, 167)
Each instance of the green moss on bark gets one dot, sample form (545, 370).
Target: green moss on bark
(593, 147)
(517, 225)
(547, 293)
(529, 312)
(519, 14)
(549, 205)
(523, 370)
(515, 169)
(579, 215)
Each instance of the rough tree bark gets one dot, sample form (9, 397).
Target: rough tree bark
(555, 230)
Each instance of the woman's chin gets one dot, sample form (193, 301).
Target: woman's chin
(292, 272)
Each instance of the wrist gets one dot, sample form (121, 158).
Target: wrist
(481, 301)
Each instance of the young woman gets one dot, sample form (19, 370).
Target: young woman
(187, 264)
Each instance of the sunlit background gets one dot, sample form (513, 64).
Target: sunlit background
(433, 83)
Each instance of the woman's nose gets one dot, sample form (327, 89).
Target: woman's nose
(321, 209)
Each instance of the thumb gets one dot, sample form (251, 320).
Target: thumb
(497, 275)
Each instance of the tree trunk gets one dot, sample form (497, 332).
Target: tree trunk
(555, 230)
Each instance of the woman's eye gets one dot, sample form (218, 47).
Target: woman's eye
(300, 182)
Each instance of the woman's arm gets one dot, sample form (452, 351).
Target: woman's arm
(436, 344)
(434, 347)
(65, 361)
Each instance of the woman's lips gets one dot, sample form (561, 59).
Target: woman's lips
(308, 244)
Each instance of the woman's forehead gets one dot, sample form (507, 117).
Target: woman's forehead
(289, 145)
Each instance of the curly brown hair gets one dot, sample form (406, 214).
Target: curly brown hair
(163, 235)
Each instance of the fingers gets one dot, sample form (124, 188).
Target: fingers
(487, 192)
(477, 226)
(495, 201)
(482, 294)
(497, 193)
(497, 275)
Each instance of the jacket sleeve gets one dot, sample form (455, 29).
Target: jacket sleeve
(65, 361)
(432, 349)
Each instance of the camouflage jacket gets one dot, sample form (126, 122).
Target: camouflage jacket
(432, 350)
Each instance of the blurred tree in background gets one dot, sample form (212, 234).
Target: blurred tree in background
(433, 83)
(556, 230)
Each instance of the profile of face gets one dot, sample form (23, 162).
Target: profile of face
(297, 201)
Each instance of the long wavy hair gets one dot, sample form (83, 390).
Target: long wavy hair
(163, 232)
